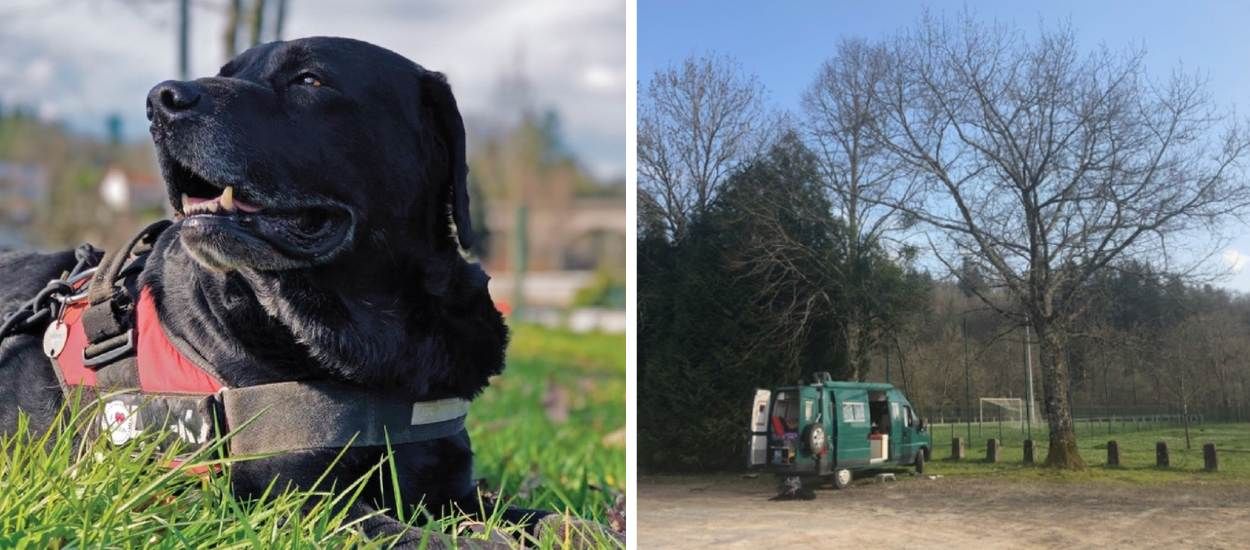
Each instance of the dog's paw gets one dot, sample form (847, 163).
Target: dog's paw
(424, 540)
(477, 529)
(576, 534)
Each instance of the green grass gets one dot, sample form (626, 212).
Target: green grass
(53, 495)
(1137, 454)
(577, 464)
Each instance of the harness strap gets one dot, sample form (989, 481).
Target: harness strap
(109, 316)
(288, 416)
(278, 417)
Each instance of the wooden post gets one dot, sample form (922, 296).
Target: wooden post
(1209, 461)
(1113, 454)
(991, 450)
(1161, 454)
(957, 448)
(1029, 451)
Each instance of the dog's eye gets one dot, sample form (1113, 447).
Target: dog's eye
(308, 79)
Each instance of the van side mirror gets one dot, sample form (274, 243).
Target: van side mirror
(923, 424)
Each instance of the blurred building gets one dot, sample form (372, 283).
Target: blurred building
(582, 234)
(556, 255)
(23, 192)
(23, 189)
(125, 190)
(552, 234)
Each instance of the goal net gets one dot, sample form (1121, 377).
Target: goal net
(1005, 409)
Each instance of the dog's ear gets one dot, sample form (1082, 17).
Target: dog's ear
(444, 119)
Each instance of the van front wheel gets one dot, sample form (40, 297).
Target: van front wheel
(841, 479)
(919, 461)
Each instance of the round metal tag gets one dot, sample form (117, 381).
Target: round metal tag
(54, 339)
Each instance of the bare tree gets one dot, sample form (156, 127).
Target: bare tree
(860, 175)
(1211, 345)
(1044, 165)
(840, 108)
(698, 121)
(1187, 362)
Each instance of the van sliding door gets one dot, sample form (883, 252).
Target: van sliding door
(851, 407)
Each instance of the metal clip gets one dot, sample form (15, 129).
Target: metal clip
(113, 354)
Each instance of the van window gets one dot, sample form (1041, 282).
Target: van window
(854, 411)
(911, 418)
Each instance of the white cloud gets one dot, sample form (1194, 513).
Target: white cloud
(39, 72)
(49, 111)
(101, 57)
(601, 78)
(1234, 260)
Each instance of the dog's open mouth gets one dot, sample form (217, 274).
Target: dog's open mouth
(234, 224)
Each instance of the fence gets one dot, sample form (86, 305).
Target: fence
(1085, 422)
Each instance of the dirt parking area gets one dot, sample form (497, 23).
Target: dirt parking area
(948, 512)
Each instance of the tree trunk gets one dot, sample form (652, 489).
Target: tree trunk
(1062, 452)
(279, 20)
(851, 331)
(257, 21)
(230, 37)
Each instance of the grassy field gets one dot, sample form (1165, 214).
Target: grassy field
(547, 434)
(1137, 454)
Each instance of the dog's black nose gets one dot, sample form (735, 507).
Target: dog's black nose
(171, 99)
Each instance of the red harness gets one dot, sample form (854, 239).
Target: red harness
(107, 343)
(161, 367)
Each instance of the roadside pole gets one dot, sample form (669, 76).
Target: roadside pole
(963, 331)
(520, 260)
(1028, 373)
(184, 26)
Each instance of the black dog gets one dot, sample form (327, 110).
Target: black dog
(320, 191)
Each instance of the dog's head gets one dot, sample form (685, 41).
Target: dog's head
(298, 153)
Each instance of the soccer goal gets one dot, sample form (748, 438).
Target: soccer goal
(1005, 409)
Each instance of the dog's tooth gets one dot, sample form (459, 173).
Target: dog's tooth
(185, 198)
(227, 199)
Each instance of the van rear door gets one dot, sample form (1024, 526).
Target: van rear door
(757, 455)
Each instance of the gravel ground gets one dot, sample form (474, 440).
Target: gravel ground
(919, 512)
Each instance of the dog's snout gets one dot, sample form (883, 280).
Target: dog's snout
(172, 99)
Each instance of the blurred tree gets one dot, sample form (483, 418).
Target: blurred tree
(230, 36)
(184, 39)
(250, 18)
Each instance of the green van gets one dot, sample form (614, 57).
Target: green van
(830, 428)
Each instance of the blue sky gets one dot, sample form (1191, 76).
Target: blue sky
(80, 60)
(784, 43)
